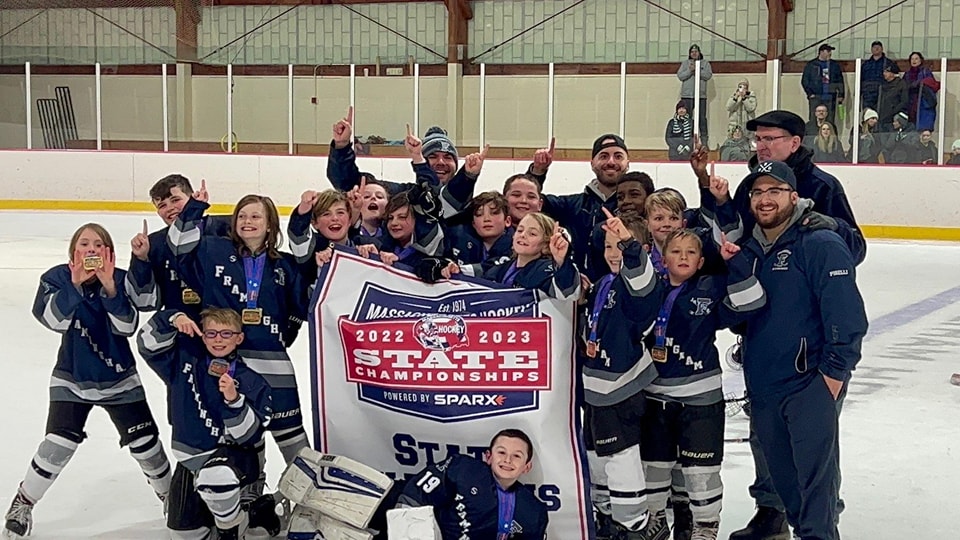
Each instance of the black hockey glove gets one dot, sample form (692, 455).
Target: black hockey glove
(429, 269)
(424, 201)
(815, 221)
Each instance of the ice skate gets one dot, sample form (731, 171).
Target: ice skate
(19, 518)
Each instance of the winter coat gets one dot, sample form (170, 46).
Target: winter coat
(687, 82)
(735, 150)
(922, 88)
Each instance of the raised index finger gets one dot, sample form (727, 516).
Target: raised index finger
(607, 212)
(483, 153)
(553, 145)
(350, 115)
(713, 169)
(144, 227)
(409, 131)
(203, 184)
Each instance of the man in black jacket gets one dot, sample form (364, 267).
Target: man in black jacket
(822, 82)
(894, 96)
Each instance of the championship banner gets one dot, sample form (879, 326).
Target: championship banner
(405, 373)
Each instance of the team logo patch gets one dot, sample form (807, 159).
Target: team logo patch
(782, 257)
(702, 306)
(458, 357)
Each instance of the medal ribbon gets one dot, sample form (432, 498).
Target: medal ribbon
(253, 270)
(603, 290)
(660, 327)
(403, 253)
(506, 502)
(511, 275)
(657, 260)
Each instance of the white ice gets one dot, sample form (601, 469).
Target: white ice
(899, 442)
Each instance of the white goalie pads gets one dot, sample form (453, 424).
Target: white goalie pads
(412, 524)
(339, 487)
(309, 524)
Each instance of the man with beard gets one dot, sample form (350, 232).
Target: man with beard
(779, 135)
(579, 213)
(455, 187)
(798, 356)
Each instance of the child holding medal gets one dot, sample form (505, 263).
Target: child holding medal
(684, 407)
(85, 301)
(248, 274)
(620, 307)
(219, 408)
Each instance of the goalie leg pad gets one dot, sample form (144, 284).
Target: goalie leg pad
(338, 487)
(412, 524)
(309, 524)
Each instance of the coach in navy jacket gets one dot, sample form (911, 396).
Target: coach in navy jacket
(798, 355)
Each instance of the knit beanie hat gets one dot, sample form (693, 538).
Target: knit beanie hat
(436, 140)
(902, 118)
(870, 113)
(956, 145)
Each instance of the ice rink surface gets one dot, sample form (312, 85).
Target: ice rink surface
(900, 442)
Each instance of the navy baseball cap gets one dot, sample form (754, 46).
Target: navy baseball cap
(777, 170)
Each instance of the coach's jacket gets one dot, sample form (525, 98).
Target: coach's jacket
(814, 320)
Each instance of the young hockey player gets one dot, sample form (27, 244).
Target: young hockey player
(523, 196)
(684, 408)
(540, 260)
(633, 188)
(488, 240)
(153, 279)
(248, 274)
(482, 499)
(319, 222)
(84, 301)
(218, 407)
(616, 367)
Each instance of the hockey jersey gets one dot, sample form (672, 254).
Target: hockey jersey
(621, 366)
(468, 250)
(463, 493)
(94, 363)
(343, 173)
(202, 420)
(579, 214)
(155, 284)
(542, 274)
(691, 372)
(217, 267)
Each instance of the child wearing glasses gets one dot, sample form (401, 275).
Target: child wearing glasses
(219, 408)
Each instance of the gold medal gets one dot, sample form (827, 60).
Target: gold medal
(218, 367)
(190, 296)
(659, 354)
(251, 316)
(92, 263)
(592, 349)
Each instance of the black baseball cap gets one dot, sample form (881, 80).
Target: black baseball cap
(777, 170)
(785, 120)
(826, 47)
(875, 43)
(607, 141)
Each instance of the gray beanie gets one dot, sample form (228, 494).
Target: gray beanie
(436, 140)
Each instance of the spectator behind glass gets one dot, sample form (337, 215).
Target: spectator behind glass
(822, 82)
(901, 145)
(871, 75)
(894, 97)
(679, 134)
(927, 150)
(869, 151)
(955, 158)
(742, 106)
(826, 146)
(922, 89)
(736, 147)
(819, 118)
(687, 86)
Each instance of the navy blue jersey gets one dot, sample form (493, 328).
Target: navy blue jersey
(621, 366)
(94, 363)
(217, 267)
(202, 420)
(691, 373)
(343, 173)
(155, 284)
(579, 214)
(468, 250)
(306, 242)
(541, 274)
(463, 493)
